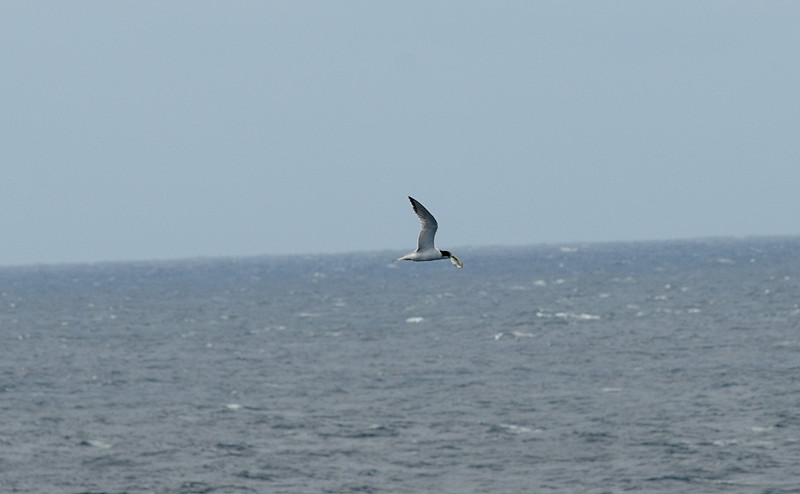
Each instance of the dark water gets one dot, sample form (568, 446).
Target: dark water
(649, 367)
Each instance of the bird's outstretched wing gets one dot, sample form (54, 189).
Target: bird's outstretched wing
(429, 225)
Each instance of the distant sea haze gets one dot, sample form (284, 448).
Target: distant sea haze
(656, 367)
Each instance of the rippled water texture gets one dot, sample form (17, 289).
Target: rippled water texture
(648, 367)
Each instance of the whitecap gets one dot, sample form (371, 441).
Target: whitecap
(233, 406)
(415, 320)
(572, 315)
(518, 429)
(98, 444)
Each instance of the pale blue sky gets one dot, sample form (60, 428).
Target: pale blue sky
(139, 130)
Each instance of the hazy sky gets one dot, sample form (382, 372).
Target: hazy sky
(157, 130)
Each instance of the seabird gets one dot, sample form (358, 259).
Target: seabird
(425, 249)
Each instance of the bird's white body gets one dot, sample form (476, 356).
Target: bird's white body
(425, 248)
(423, 255)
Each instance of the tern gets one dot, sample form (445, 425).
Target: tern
(425, 249)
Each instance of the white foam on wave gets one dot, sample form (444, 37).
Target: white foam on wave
(415, 320)
(582, 317)
(233, 406)
(519, 429)
(568, 315)
(98, 444)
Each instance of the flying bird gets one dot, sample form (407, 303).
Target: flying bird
(425, 248)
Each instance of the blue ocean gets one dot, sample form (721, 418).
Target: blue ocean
(653, 367)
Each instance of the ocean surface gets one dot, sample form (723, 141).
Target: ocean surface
(654, 367)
